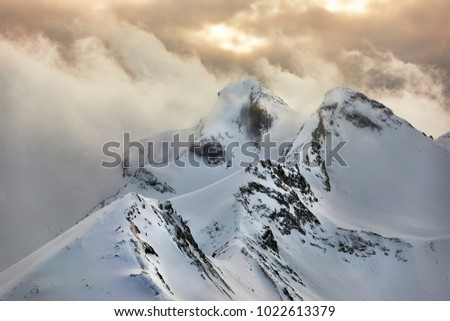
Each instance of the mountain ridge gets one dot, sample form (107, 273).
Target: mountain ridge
(298, 227)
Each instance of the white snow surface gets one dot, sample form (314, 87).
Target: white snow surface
(444, 140)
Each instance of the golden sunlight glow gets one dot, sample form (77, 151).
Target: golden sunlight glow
(231, 39)
(350, 6)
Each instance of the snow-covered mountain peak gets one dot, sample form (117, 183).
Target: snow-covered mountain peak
(244, 112)
(343, 114)
(360, 152)
(338, 95)
(247, 106)
(358, 109)
(243, 92)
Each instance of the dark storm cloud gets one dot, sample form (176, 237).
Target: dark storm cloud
(413, 31)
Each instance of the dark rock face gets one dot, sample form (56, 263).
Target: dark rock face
(318, 140)
(145, 179)
(291, 193)
(288, 295)
(365, 244)
(260, 121)
(361, 121)
(268, 240)
(375, 104)
(148, 249)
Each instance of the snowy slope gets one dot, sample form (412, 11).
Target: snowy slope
(125, 251)
(281, 228)
(254, 235)
(270, 228)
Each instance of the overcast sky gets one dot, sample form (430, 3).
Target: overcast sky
(74, 74)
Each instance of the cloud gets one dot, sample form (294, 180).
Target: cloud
(56, 115)
(411, 32)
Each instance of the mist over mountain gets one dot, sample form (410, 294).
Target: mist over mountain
(354, 206)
